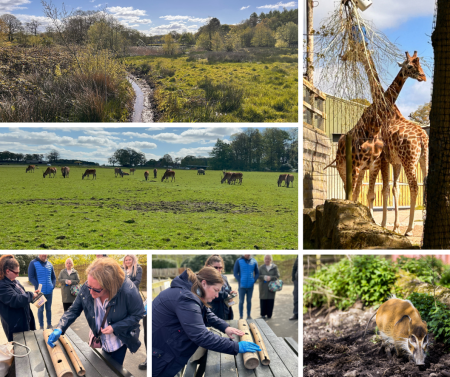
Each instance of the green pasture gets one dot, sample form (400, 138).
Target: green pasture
(194, 212)
(270, 88)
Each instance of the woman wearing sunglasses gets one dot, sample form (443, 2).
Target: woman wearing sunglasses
(218, 305)
(15, 311)
(180, 315)
(107, 292)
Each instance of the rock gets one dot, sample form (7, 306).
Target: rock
(309, 218)
(434, 375)
(344, 224)
(311, 372)
(353, 373)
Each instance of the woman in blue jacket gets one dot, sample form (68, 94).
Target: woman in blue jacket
(107, 292)
(180, 315)
(15, 311)
(218, 305)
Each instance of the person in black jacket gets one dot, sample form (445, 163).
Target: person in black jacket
(218, 305)
(107, 287)
(132, 269)
(15, 311)
(180, 315)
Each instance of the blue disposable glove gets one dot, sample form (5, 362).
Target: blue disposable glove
(248, 347)
(53, 337)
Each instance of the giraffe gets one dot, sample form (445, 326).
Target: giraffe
(368, 145)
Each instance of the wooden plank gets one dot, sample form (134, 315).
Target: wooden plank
(227, 364)
(277, 366)
(314, 89)
(242, 370)
(317, 111)
(212, 364)
(37, 364)
(94, 359)
(39, 335)
(90, 370)
(287, 356)
(113, 364)
(190, 370)
(292, 343)
(22, 364)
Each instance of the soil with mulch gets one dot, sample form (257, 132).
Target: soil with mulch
(333, 345)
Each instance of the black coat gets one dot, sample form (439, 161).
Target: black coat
(15, 311)
(218, 306)
(127, 309)
(179, 320)
(137, 278)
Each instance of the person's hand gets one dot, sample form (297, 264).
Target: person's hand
(34, 295)
(108, 330)
(234, 292)
(231, 330)
(248, 347)
(53, 337)
(69, 282)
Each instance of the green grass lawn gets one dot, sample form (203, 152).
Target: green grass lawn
(194, 212)
(270, 90)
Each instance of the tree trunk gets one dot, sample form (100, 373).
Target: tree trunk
(437, 223)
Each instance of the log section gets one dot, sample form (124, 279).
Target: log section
(251, 361)
(263, 355)
(78, 366)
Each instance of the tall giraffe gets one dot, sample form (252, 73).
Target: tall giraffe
(367, 145)
(405, 144)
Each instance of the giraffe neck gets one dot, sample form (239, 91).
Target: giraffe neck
(392, 93)
(376, 90)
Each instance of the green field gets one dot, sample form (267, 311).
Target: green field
(195, 212)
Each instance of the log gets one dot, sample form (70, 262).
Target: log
(251, 361)
(263, 355)
(62, 367)
(78, 366)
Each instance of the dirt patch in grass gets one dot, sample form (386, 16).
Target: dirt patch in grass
(162, 206)
(333, 346)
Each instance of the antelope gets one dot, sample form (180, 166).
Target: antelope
(289, 178)
(168, 173)
(281, 179)
(117, 172)
(122, 173)
(201, 171)
(132, 171)
(50, 171)
(30, 167)
(226, 176)
(234, 177)
(146, 174)
(401, 326)
(65, 171)
(155, 173)
(88, 172)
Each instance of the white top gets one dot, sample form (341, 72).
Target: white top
(110, 342)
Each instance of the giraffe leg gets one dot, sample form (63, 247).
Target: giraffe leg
(414, 189)
(373, 173)
(357, 186)
(385, 176)
(397, 169)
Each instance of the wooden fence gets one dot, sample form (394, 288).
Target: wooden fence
(164, 273)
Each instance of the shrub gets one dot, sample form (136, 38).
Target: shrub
(227, 97)
(167, 72)
(427, 269)
(164, 263)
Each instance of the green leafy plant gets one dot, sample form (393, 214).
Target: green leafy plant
(427, 269)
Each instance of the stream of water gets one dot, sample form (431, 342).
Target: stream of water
(138, 103)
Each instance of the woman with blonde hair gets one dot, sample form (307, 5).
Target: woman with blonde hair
(15, 311)
(132, 269)
(218, 305)
(68, 277)
(112, 306)
(179, 317)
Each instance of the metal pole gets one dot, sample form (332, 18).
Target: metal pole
(309, 41)
(348, 165)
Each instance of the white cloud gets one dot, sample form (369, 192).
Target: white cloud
(179, 27)
(200, 151)
(197, 135)
(44, 21)
(245, 7)
(136, 134)
(280, 5)
(185, 18)
(126, 11)
(139, 145)
(413, 95)
(155, 128)
(7, 6)
(394, 18)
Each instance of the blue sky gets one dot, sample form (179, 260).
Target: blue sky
(155, 17)
(97, 144)
(409, 25)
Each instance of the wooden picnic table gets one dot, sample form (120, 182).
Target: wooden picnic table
(39, 364)
(283, 353)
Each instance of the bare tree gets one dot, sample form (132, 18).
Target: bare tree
(13, 24)
(33, 26)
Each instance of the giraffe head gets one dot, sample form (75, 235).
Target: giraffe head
(411, 67)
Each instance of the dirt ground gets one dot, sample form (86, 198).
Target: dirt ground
(333, 346)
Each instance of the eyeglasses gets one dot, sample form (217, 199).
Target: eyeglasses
(218, 268)
(95, 290)
(15, 273)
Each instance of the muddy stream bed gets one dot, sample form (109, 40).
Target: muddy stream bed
(333, 346)
(142, 111)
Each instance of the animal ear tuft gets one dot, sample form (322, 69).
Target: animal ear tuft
(399, 64)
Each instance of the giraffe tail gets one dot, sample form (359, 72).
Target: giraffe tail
(332, 162)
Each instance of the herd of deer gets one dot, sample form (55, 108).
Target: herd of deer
(229, 177)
